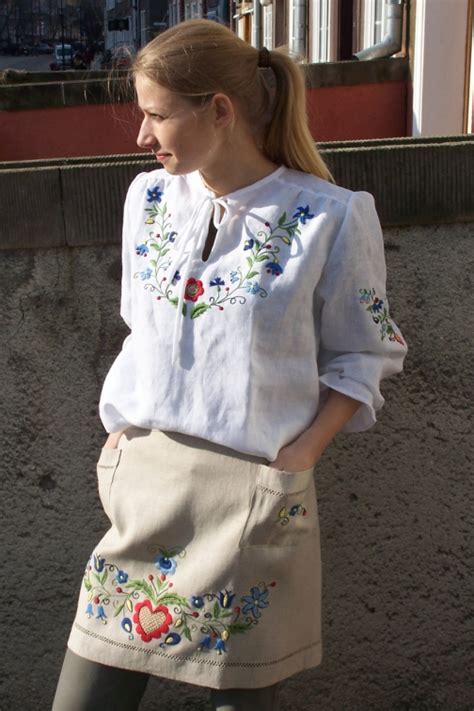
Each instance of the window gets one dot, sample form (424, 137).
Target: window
(324, 30)
(268, 26)
(373, 22)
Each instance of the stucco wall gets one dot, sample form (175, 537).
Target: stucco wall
(395, 503)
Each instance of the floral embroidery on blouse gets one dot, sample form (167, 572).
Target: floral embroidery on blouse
(376, 307)
(152, 610)
(261, 253)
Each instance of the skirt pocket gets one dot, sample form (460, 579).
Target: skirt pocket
(107, 466)
(283, 508)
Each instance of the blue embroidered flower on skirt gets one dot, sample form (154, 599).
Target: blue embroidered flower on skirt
(234, 276)
(166, 565)
(142, 250)
(217, 282)
(99, 563)
(273, 268)
(303, 214)
(171, 236)
(197, 601)
(225, 598)
(122, 576)
(249, 244)
(101, 614)
(256, 601)
(176, 278)
(154, 194)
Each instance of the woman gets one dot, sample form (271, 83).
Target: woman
(254, 289)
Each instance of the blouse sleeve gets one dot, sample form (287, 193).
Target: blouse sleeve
(128, 230)
(359, 344)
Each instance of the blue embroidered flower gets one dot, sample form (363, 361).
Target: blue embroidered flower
(220, 646)
(154, 194)
(256, 601)
(99, 563)
(146, 274)
(294, 510)
(303, 214)
(171, 236)
(89, 610)
(171, 638)
(166, 565)
(122, 576)
(205, 642)
(197, 601)
(273, 268)
(142, 250)
(377, 305)
(249, 244)
(225, 598)
(217, 282)
(252, 287)
(126, 624)
(177, 277)
(365, 296)
(101, 614)
(234, 276)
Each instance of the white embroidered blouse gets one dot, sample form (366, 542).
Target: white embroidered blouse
(240, 349)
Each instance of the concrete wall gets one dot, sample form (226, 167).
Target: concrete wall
(395, 503)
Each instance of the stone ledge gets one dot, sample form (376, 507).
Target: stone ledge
(79, 201)
(20, 92)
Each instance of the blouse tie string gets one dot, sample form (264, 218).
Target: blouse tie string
(192, 239)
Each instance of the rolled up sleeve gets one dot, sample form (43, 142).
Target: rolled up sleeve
(359, 343)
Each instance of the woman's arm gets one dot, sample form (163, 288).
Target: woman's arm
(306, 450)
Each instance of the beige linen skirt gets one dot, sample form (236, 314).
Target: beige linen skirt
(210, 572)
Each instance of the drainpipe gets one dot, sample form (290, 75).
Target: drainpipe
(257, 25)
(298, 38)
(392, 42)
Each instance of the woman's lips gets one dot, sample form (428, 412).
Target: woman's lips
(162, 156)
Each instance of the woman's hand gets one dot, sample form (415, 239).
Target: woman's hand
(305, 451)
(113, 439)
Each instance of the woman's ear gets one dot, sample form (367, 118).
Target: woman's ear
(223, 110)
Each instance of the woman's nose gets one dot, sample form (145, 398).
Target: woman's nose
(145, 138)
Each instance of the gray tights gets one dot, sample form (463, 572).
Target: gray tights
(87, 686)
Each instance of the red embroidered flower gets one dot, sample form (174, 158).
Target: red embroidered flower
(194, 289)
(151, 624)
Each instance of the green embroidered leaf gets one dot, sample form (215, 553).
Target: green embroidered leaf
(187, 634)
(173, 599)
(87, 584)
(239, 627)
(249, 261)
(252, 274)
(216, 610)
(152, 262)
(141, 586)
(199, 310)
(103, 577)
(165, 251)
(119, 610)
(286, 240)
(155, 246)
(184, 309)
(282, 219)
(174, 301)
(262, 257)
(258, 244)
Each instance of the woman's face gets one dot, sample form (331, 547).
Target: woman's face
(181, 135)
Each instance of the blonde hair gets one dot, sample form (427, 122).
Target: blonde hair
(198, 58)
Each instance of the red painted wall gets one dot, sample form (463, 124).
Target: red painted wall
(335, 113)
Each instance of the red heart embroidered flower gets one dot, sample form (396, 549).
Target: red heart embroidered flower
(151, 624)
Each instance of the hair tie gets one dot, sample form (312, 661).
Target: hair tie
(264, 57)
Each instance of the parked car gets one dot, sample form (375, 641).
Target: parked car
(62, 61)
(43, 48)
